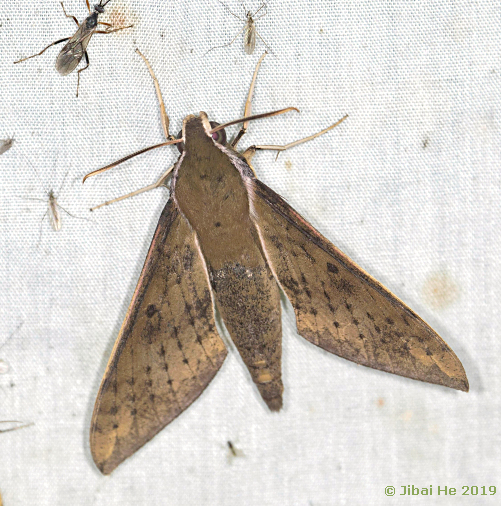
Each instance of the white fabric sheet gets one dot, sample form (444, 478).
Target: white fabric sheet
(409, 187)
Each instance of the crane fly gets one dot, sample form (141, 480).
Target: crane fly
(76, 47)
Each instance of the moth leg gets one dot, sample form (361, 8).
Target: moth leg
(88, 6)
(248, 104)
(250, 151)
(105, 32)
(43, 50)
(103, 23)
(72, 17)
(160, 182)
(163, 114)
(82, 69)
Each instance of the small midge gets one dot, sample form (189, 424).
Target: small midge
(217, 224)
(185, 361)
(355, 321)
(377, 329)
(336, 324)
(389, 321)
(169, 382)
(115, 425)
(148, 369)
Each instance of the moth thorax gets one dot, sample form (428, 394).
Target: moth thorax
(99, 8)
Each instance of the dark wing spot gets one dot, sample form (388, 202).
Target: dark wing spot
(151, 310)
(332, 268)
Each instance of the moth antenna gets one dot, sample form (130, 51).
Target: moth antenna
(251, 118)
(128, 157)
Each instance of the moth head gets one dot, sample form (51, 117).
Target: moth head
(195, 126)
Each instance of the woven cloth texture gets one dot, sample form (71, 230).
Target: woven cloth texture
(408, 186)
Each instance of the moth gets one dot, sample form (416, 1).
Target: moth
(76, 48)
(225, 239)
(6, 144)
(249, 29)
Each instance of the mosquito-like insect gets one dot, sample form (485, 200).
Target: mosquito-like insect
(76, 48)
(249, 29)
(53, 206)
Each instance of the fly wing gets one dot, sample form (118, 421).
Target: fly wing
(71, 54)
(168, 349)
(342, 309)
(249, 38)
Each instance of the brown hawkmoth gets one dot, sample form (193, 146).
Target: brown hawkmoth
(226, 239)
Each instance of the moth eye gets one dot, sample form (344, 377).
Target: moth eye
(219, 137)
(180, 146)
